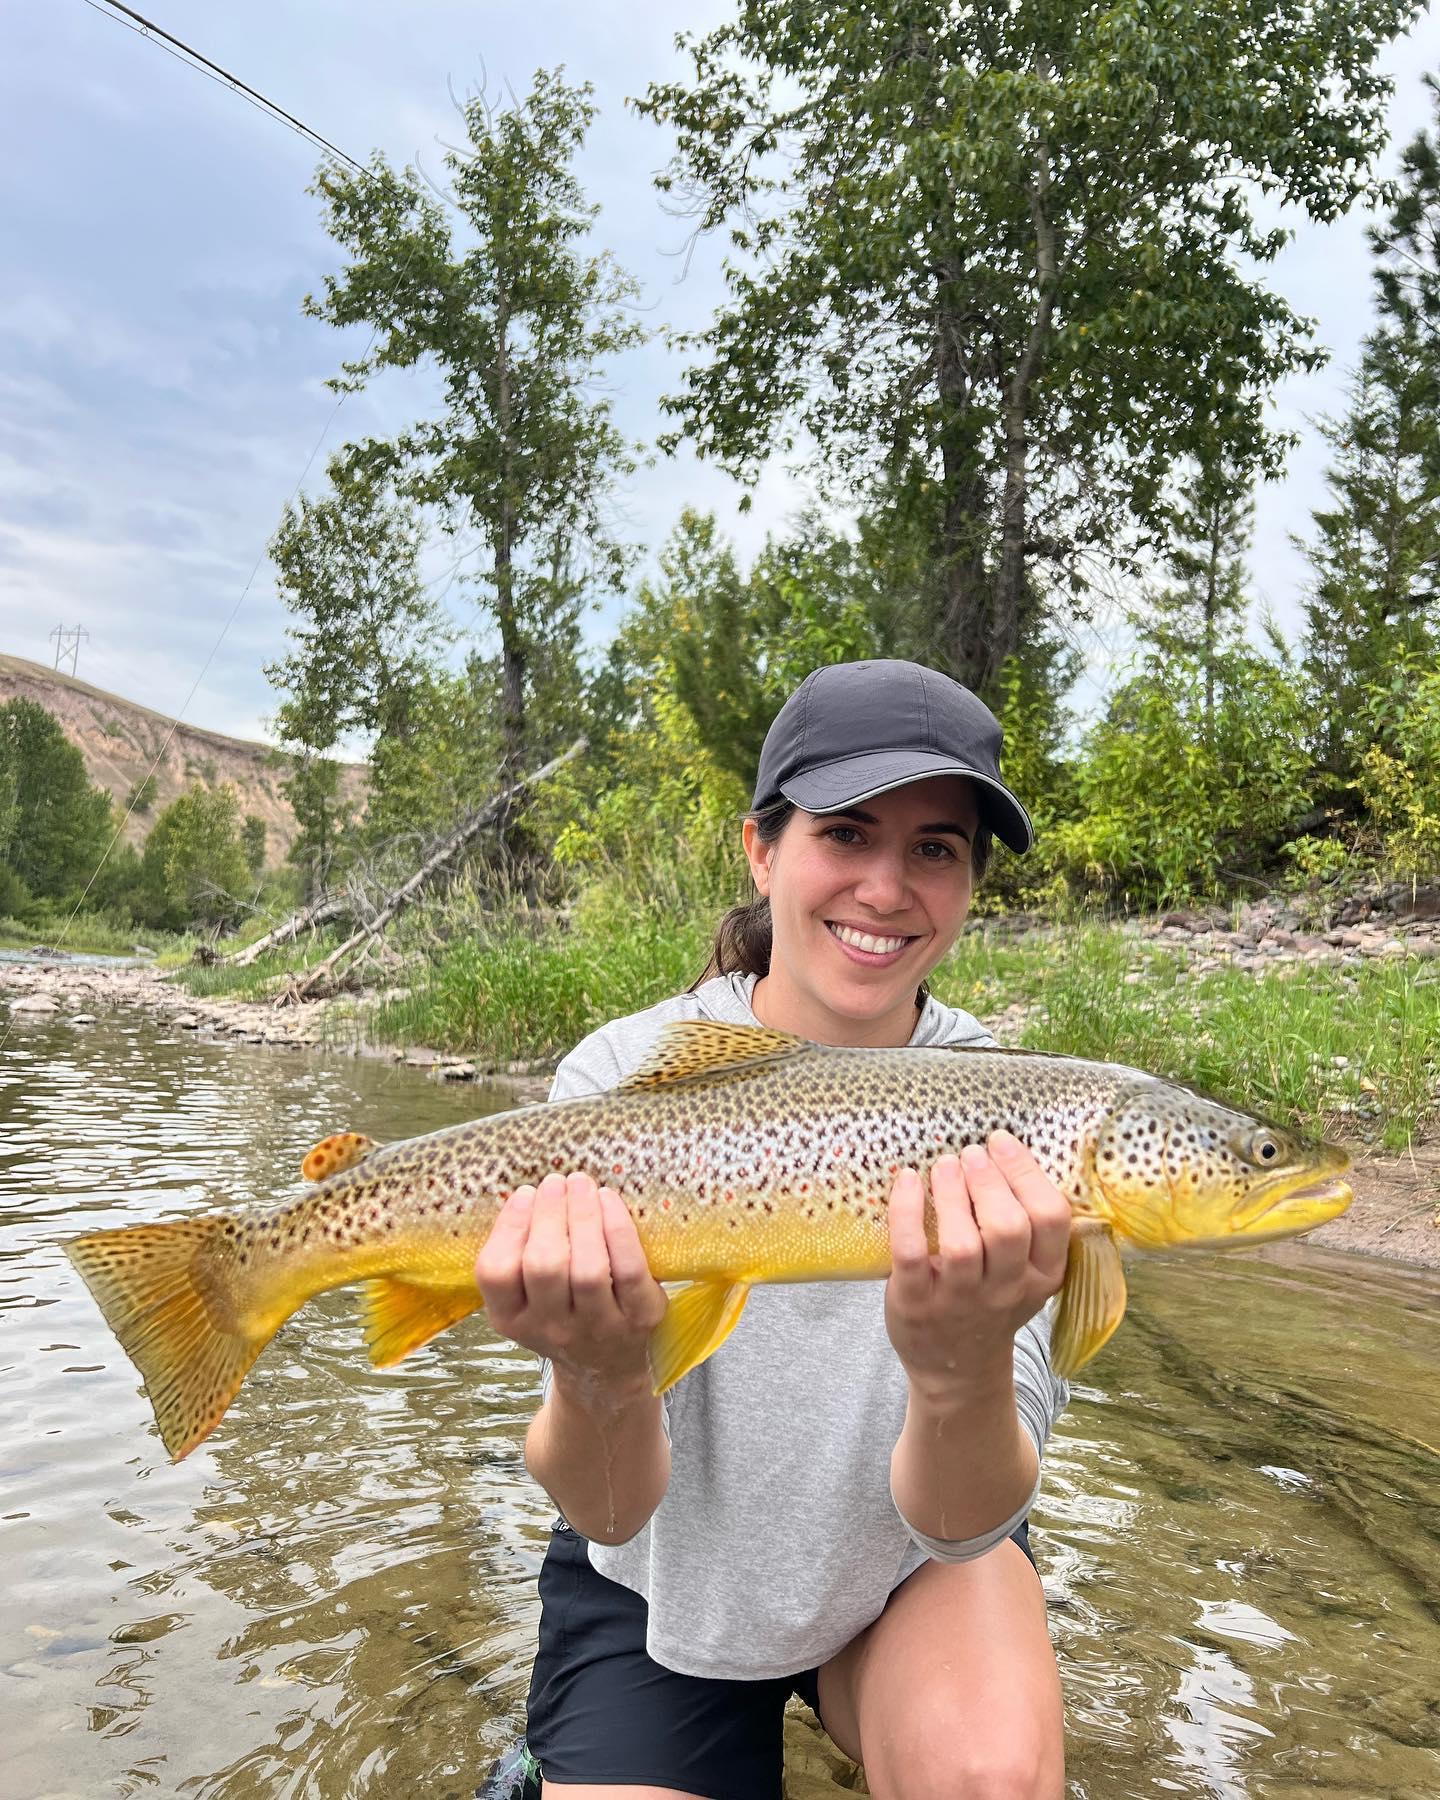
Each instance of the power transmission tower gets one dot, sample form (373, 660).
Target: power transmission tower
(67, 643)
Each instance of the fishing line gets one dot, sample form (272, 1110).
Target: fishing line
(193, 59)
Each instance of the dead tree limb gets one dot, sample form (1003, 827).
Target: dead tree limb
(441, 853)
(319, 912)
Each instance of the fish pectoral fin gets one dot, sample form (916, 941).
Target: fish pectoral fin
(697, 1322)
(689, 1048)
(400, 1316)
(341, 1150)
(1092, 1299)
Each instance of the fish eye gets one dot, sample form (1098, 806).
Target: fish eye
(1264, 1148)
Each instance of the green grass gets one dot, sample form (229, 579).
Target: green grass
(1355, 1052)
(518, 997)
(89, 934)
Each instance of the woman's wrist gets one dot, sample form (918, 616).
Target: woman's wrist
(603, 1392)
(983, 1380)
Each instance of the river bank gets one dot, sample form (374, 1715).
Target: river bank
(1397, 1197)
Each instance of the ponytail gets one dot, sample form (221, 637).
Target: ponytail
(742, 938)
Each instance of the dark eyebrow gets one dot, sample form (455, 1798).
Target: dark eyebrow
(864, 818)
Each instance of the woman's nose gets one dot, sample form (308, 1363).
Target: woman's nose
(882, 886)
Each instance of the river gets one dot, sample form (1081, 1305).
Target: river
(1239, 1530)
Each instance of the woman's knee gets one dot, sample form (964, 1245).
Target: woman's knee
(947, 1759)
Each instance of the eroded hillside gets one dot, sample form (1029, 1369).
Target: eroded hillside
(120, 739)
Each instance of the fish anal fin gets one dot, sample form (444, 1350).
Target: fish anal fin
(400, 1315)
(689, 1048)
(697, 1322)
(1092, 1298)
(342, 1150)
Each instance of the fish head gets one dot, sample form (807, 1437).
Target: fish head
(1174, 1167)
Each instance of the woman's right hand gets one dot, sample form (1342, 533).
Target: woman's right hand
(563, 1273)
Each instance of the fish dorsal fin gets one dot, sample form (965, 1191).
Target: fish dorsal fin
(690, 1048)
(341, 1151)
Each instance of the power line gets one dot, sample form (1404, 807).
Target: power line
(192, 58)
(183, 52)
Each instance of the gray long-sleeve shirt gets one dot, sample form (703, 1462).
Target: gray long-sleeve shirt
(778, 1538)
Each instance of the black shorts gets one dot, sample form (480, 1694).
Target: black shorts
(601, 1710)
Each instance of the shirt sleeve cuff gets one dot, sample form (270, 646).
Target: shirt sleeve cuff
(959, 1550)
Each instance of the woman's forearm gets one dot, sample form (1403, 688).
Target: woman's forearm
(963, 1464)
(601, 1455)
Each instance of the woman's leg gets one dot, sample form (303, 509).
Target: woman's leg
(954, 1689)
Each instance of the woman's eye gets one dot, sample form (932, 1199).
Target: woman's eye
(843, 834)
(940, 851)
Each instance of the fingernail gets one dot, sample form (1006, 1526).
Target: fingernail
(973, 1156)
(1003, 1143)
(523, 1198)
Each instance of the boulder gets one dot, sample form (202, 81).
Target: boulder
(35, 1003)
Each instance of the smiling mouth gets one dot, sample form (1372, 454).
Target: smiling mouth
(868, 943)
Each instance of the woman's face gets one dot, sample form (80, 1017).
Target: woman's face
(864, 903)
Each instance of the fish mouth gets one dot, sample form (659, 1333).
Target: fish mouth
(1298, 1204)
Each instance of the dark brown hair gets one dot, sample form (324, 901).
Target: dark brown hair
(743, 936)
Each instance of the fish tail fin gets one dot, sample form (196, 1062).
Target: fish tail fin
(175, 1300)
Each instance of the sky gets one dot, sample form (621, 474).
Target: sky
(161, 391)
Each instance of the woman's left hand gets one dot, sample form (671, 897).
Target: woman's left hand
(1004, 1231)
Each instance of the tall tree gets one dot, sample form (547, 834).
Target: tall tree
(1374, 609)
(999, 250)
(517, 319)
(1375, 594)
(367, 633)
(1199, 613)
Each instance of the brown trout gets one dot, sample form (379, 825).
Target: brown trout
(744, 1155)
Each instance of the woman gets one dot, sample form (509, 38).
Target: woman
(834, 1504)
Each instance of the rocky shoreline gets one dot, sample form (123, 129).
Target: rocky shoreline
(74, 991)
(1397, 1204)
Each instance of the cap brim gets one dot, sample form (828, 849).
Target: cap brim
(835, 786)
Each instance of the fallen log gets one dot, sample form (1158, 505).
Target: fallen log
(442, 852)
(319, 912)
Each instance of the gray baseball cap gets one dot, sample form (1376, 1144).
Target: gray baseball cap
(851, 731)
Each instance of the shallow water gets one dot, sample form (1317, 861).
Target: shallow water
(1239, 1530)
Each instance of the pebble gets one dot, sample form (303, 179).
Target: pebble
(82, 1019)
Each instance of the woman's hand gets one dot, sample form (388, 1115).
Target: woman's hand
(1004, 1230)
(563, 1273)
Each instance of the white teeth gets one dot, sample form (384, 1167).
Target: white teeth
(877, 946)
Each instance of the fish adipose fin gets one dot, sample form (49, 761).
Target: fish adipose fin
(332, 1154)
(697, 1322)
(1092, 1299)
(689, 1048)
(400, 1316)
(163, 1294)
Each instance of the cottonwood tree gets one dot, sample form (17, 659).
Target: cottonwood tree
(367, 632)
(1001, 255)
(493, 288)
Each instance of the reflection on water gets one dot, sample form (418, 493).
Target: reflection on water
(335, 1595)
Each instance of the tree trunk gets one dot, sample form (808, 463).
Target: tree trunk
(1212, 584)
(512, 654)
(441, 854)
(964, 625)
(1015, 407)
